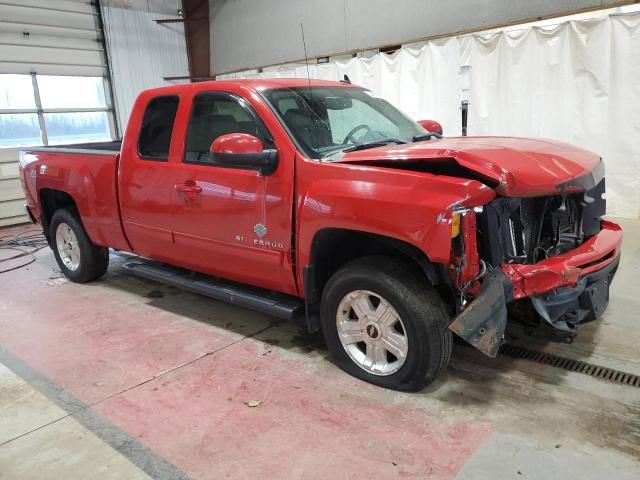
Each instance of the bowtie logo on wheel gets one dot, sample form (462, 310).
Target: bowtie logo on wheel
(372, 331)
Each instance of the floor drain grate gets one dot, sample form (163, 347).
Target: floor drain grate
(597, 371)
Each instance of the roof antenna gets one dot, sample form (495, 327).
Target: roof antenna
(306, 59)
(346, 79)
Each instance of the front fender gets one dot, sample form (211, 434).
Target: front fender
(413, 207)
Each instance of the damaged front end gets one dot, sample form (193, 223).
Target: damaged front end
(554, 251)
(483, 321)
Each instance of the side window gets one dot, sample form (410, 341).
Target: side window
(216, 114)
(157, 127)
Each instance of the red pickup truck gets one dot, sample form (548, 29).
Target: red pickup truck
(322, 200)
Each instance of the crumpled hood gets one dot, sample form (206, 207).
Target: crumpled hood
(515, 166)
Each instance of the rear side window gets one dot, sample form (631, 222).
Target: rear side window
(157, 127)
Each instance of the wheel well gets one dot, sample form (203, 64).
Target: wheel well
(50, 201)
(334, 247)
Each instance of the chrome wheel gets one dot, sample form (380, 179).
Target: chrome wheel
(68, 249)
(372, 332)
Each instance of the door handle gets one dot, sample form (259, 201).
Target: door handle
(188, 187)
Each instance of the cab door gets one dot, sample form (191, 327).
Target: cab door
(231, 222)
(145, 176)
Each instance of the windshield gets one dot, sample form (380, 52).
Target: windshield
(327, 120)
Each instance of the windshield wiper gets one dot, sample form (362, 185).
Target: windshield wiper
(426, 136)
(375, 143)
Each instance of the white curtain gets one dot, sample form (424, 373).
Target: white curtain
(578, 82)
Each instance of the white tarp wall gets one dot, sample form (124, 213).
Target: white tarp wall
(578, 82)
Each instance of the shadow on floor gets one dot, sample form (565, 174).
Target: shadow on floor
(468, 364)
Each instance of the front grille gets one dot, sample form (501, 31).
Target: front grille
(527, 230)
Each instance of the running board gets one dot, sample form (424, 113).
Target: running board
(266, 301)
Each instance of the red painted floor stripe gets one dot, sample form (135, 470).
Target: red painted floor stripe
(314, 421)
(89, 342)
(307, 425)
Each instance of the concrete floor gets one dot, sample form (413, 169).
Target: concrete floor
(127, 379)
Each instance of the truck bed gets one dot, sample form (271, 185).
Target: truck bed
(93, 147)
(83, 175)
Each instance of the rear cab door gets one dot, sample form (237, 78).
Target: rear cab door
(235, 223)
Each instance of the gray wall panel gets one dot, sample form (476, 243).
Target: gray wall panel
(248, 33)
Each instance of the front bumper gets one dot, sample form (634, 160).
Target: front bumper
(566, 290)
(567, 307)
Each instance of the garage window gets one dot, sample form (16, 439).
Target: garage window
(53, 110)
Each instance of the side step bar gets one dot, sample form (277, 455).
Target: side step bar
(266, 301)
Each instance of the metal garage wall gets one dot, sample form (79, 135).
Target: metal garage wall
(250, 34)
(50, 37)
(142, 52)
(46, 37)
(11, 196)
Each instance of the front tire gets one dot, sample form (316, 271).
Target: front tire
(385, 324)
(79, 259)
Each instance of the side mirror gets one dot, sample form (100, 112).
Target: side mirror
(431, 126)
(241, 150)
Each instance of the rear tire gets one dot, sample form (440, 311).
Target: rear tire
(79, 259)
(413, 333)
